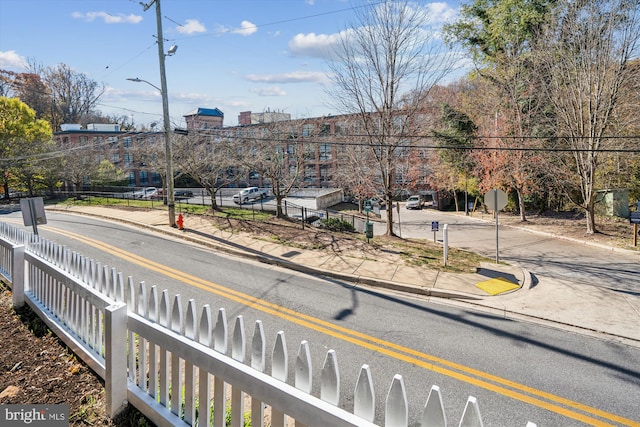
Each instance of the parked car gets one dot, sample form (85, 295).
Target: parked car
(377, 201)
(249, 194)
(182, 194)
(414, 202)
(146, 193)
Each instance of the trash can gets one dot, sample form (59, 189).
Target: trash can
(368, 231)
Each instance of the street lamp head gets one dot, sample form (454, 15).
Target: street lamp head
(134, 80)
(172, 50)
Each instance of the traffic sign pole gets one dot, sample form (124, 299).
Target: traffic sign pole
(495, 195)
(496, 199)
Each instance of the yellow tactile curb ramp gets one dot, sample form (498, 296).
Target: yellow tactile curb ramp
(497, 286)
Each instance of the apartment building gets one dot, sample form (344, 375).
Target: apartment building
(86, 147)
(334, 146)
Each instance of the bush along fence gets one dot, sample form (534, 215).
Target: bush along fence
(175, 366)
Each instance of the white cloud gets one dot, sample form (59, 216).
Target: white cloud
(108, 18)
(440, 13)
(314, 45)
(246, 28)
(269, 91)
(191, 27)
(10, 60)
(294, 77)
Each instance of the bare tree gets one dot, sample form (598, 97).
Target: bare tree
(211, 159)
(81, 160)
(587, 62)
(355, 172)
(278, 154)
(74, 96)
(389, 53)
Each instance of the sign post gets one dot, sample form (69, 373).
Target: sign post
(33, 212)
(434, 227)
(634, 218)
(496, 200)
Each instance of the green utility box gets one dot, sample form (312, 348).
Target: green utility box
(368, 231)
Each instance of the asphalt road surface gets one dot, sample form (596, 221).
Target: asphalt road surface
(542, 255)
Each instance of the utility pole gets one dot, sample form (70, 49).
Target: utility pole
(171, 204)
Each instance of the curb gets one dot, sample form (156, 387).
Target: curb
(279, 262)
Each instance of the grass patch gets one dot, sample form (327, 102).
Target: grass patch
(421, 253)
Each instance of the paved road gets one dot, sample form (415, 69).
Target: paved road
(425, 342)
(543, 255)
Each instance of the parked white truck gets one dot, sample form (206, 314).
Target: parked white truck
(249, 194)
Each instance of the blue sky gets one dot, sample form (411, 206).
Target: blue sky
(235, 55)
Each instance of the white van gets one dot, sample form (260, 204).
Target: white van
(247, 194)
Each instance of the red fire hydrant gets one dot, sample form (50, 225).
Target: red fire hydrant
(180, 222)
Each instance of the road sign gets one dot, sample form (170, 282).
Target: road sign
(434, 227)
(634, 217)
(495, 199)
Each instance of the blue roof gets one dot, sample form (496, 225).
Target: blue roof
(215, 112)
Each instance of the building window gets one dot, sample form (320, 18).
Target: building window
(128, 159)
(325, 130)
(307, 130)
(399, 123)
(126, 141)
(310, 173)
(341, 129)
(325, 152)
(144, 178)
(132, 178)
(325, 173)
(157, 178)
(115, 158)
(84, 139)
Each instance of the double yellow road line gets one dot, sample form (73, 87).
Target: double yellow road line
(566, 407)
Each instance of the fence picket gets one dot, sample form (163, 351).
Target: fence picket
(471, 415)
(163, 379)
(220, 332)
(258, 346)
(142, 342)
(189, 369)
(219, 391)
(433, 412)
(204, 389)
(396, 413)
(151, 311)
(330, 379)
(303, 374)
(177, 326)
(364, 399)
(238, 352)
(279, 371)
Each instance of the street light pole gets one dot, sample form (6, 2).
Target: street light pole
(171, 204)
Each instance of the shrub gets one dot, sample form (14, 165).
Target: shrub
(336, 224)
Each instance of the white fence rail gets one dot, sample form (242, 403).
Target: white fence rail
(174, 366)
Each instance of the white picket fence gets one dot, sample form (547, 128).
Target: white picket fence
(174, 366)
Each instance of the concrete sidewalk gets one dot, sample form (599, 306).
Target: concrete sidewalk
(504, 290)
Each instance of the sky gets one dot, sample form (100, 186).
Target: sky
(234, 55)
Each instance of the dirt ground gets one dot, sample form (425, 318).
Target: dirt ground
(36, 368)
